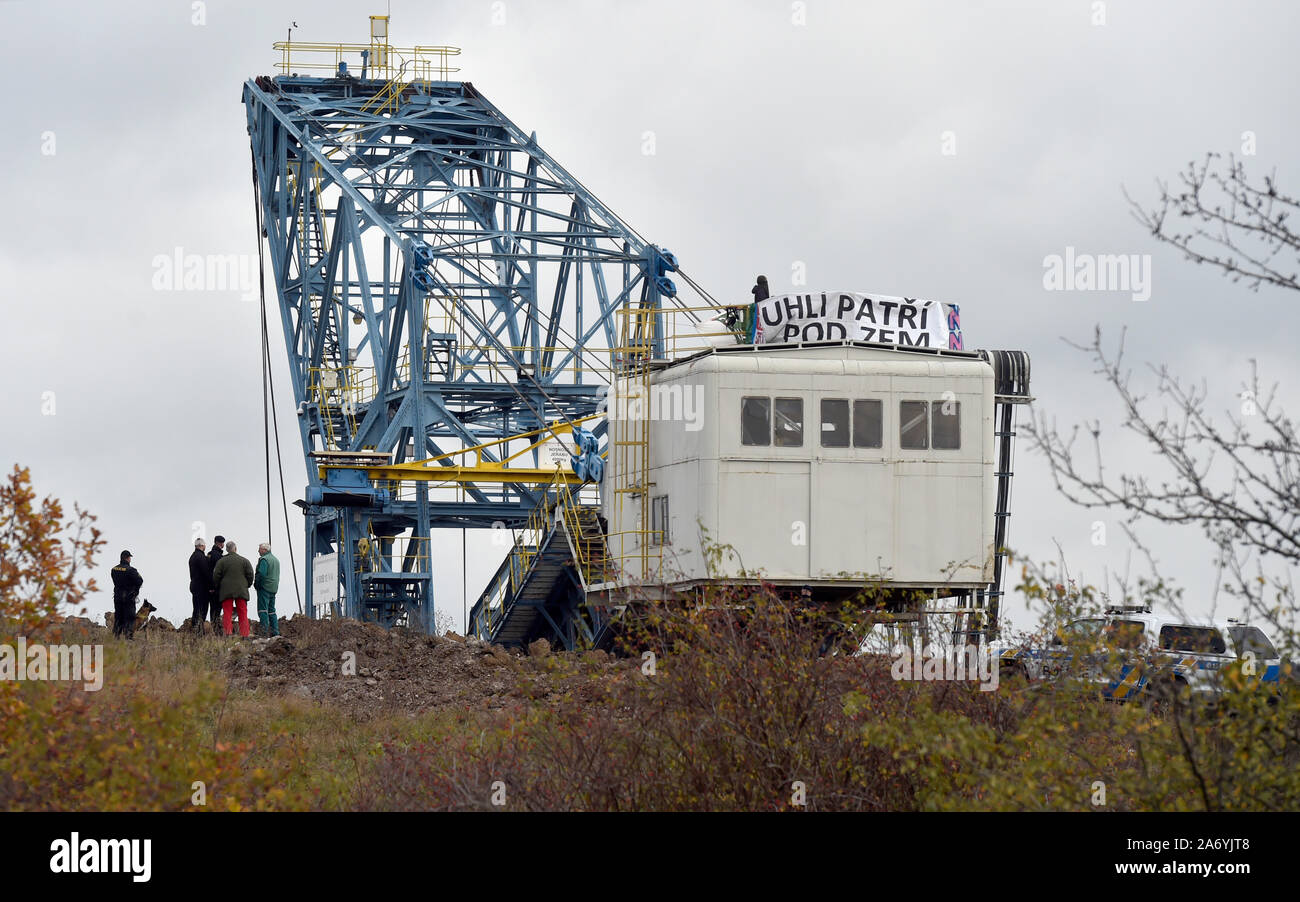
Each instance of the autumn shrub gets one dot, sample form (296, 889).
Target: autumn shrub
(46, 557)
(735, 707)
(1234, 749)
(126, 749)
(729, 703)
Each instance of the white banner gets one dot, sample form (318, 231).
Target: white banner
(851, 316)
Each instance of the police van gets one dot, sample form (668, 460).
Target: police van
(1129, 651)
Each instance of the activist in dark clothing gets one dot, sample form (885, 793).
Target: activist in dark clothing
(747, 326)
(126, 588)
(200, 586)
(214, 603)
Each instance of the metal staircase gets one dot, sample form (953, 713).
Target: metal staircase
(532, 590)
(540, 589)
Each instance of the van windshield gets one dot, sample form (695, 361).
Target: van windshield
(1251, 639)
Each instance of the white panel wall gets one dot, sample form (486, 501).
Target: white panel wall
(915, 517)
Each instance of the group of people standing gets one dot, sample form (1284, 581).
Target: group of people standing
(220, 580)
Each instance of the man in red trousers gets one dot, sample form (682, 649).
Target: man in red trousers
(232, 577)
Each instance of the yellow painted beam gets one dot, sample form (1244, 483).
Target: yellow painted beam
(432, 470)
(486, 473)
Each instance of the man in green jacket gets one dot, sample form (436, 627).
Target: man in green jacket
(267, 583)
(232, 577)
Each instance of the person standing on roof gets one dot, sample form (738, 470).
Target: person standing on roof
(267, 583)
(126, 588)
(749, 324)
(200, 586)
(740, 321)
(214, 600)
(233, 576)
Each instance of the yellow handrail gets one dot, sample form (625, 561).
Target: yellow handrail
(383, 60)
(414, 549)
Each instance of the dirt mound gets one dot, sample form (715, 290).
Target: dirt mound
(364, 667)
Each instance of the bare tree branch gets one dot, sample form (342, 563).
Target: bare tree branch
(1217, 216)
(1238, 480)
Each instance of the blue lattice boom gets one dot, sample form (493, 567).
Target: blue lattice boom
(442, 282)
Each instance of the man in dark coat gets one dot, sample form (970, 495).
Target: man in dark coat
(200, 585)
(126, 588)
(214, 603)
(233, 577)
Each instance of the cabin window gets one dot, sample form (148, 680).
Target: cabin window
(756, 422)
(922, 425)
(659, 520)
(868, 424)
(945, 425)
(835, 423)
(913, 425)
(789, 422)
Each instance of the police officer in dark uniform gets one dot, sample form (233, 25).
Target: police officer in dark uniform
(126, 589)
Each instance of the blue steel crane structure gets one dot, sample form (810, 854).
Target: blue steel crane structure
(443, 283)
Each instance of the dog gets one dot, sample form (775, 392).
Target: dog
(142, 616)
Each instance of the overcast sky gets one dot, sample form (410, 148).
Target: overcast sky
(819, 134)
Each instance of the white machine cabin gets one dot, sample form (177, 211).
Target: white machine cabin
(820, 465)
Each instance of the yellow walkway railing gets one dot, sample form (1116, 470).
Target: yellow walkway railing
(384, 60)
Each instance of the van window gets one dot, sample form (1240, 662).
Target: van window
(1200, 639)
(1125, 633)
(835, 423)
(1082, 630)
(868, 424)
(913, 425)
(1251, 639)
(945, 428)
(789, 422)
(756, 422)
